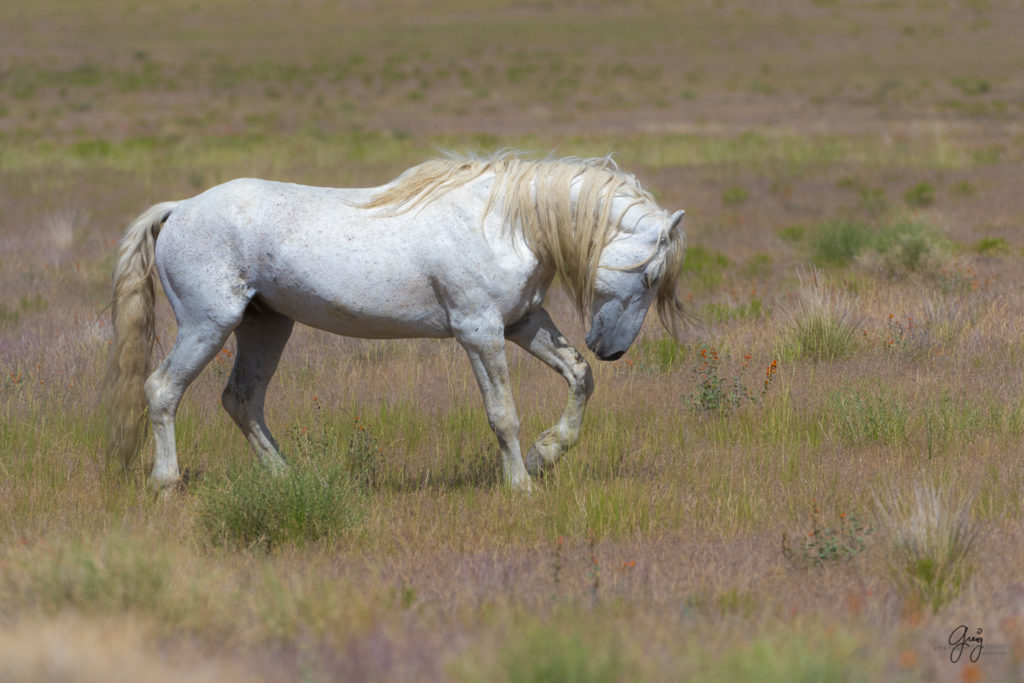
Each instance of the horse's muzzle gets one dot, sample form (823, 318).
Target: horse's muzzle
(595, 343)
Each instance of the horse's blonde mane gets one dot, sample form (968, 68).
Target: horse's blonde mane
(535, 199)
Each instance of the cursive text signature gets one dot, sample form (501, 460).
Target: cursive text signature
(959, 640)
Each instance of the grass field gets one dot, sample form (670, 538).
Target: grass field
(822, 480)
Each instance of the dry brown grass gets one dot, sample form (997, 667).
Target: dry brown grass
(659, 538)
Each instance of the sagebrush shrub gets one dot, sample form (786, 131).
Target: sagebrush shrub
(839, 241)
(257, 508)
(908, 246)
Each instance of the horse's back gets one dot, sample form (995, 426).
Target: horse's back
(315, 255)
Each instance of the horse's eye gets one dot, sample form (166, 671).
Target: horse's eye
(650, 282)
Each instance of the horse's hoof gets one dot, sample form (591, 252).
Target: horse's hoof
(275, 464)
(165, 489)
(168, 492)
(523, 486)
(541, 457)
(534, 463)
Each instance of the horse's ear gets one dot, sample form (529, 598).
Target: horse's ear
(677, 219)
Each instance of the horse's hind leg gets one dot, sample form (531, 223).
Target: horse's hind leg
(261, 337)
(538, 335)
(195, 346)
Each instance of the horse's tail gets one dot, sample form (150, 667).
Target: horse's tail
(134, 324)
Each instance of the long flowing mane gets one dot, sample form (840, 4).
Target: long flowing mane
(534, 197)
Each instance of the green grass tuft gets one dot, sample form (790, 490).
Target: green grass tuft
(822, 326)
(115, 574)
(255, 508)
(922, 194)
(837, 242)
(990, 246)
(557, 652)
(821, 336)
(735, 195)
(860, 417)
(908, 246)
(792, 233)
(903, 245)
(786, 657)
(931, 541)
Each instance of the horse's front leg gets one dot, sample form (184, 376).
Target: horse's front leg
(486, 353)
(538, 335)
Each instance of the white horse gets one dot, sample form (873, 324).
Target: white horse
(455, 247)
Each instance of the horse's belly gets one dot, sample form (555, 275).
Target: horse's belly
(368, 317)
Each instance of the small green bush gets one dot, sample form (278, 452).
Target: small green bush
(964, 188)
(818, 655)
(792, 233)
(735, 195)
(873, 201)
(921, 194)
(991, 245)
(259, 509)
(838, 242)
(911, 246)
(563, 652)
(116, 574)
(904, 245)
(972, 85)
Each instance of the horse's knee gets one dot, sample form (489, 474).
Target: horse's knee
(504, 425)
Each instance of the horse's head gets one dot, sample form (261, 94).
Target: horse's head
(637, 267)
